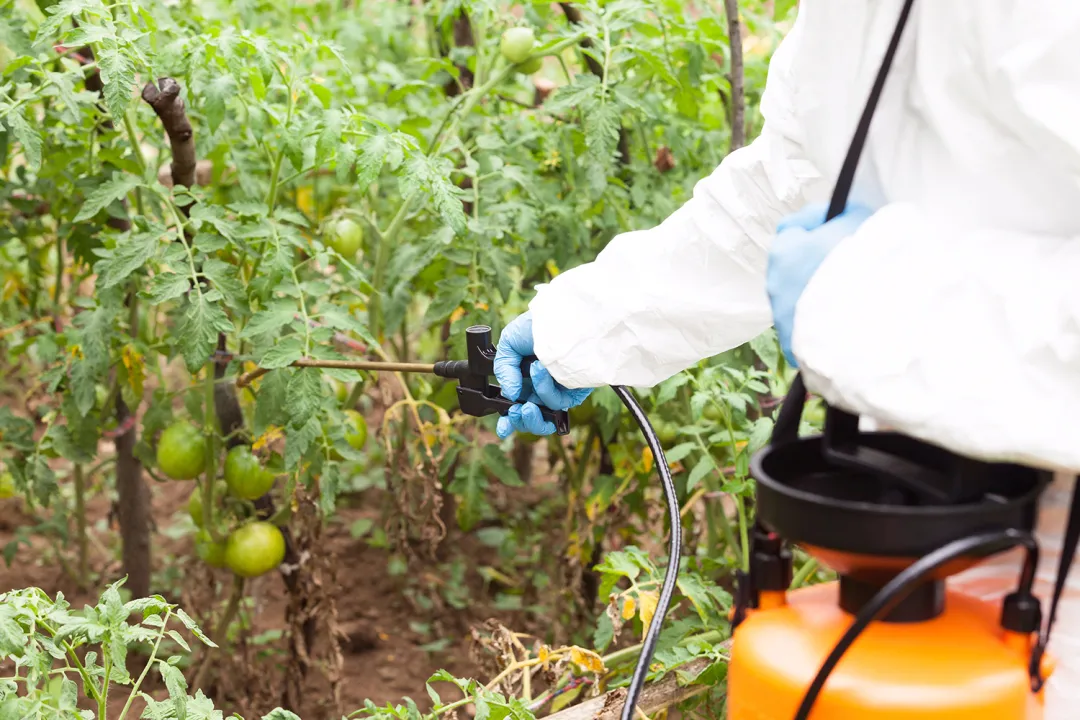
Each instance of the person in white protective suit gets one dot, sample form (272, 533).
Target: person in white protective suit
(944, 304)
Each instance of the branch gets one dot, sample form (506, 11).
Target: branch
(597, 69)
(655, 697)
(368, 365)
(165, 99)
(736, 77)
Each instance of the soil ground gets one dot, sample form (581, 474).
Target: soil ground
(382, 652)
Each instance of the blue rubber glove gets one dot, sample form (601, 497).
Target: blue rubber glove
(515, 344)
(802, 242)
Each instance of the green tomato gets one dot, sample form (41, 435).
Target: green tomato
(667, 432)
(517, 44)
(712, 412)
(181, 451)
(255, 549)
(346, 237)
(7, 485)
(210, 552)
(245, 476)
(195, 506)
(355, 430)
(531, 66)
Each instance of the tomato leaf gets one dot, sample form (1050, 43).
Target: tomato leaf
(131, 253)
(113, 189)
(197, 334)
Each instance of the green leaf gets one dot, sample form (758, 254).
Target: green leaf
(298, 441)
(304, 395)
(197, 334)
(679, 452)
(216, 94)
(115, 188)
(495, 460)
(766, 347)
(193, 627)
(279, 714)
(118, 75)
(703, 468)
(432, 175)
(329, 137)
(131, 253)
(292, 144)
(270, 402)
(225, 278)
(269, 320)
(176, 685)
(287, 351)
(760, 434)
(167, 286)
(28, 137)
(450, 295)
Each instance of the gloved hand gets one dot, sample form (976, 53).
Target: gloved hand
(802, 242)
(516, 343)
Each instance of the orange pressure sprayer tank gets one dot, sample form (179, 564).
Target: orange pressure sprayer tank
(957, 666)
(894, 517)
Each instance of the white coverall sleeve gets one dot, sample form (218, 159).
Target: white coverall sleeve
(965, 337)
(962, 333)
(657, 301)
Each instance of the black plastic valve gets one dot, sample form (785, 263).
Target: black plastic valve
(477, 396)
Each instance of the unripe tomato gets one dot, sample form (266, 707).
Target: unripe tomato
(667, 432)
(517, 44)
(245, 476)
(210, 552)
(195, 506)
(346, 237)
(100, 396)
(355, 430)
(7, 485)
(531, 66)
(181, 452)
(255, 549)
(712, 412)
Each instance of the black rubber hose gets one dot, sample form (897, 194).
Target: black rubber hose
(902, 584)
(674, 550)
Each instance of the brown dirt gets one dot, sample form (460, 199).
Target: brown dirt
(382, 653)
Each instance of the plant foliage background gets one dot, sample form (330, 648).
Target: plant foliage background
(176, 180)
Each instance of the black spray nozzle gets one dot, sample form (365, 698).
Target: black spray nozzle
(476, 395)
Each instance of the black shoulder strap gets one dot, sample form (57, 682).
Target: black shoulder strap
(1068, 555)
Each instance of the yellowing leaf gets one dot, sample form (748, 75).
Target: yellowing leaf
(586, 660)
(136, 369)
(544, 656)
(457, 314)
(629, 608)
(647, 458)
(647, 601)
(272, 433)
(305, 199)
(552, 268)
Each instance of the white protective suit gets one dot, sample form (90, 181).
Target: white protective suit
(953, 314)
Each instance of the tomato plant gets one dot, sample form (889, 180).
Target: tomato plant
(208, 210)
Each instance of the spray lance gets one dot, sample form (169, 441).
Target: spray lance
(479, 397)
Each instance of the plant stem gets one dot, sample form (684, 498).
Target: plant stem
(210, 429)
(804, 573)
(222, 627)
(146, 668)
(80, 521)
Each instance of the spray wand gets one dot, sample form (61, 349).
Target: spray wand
(479, 397)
